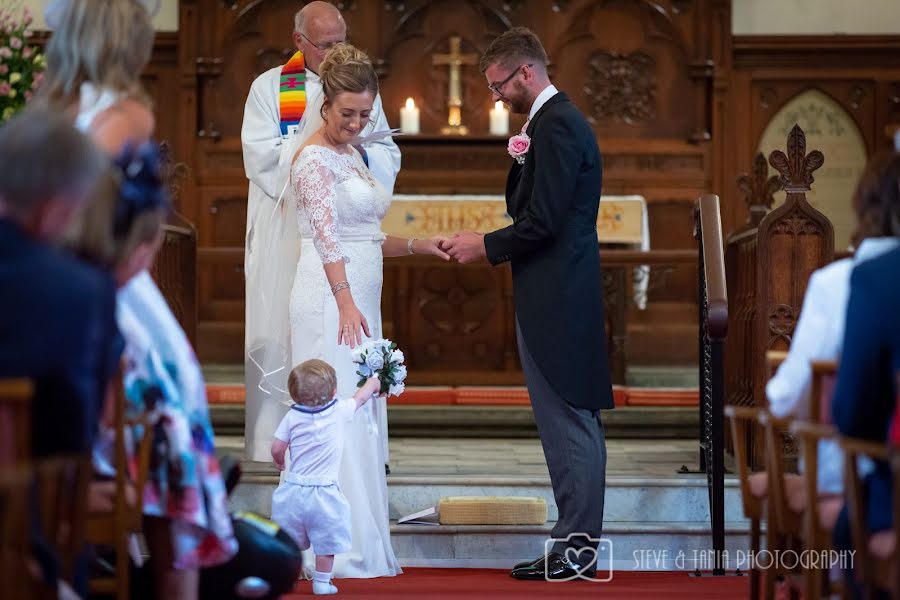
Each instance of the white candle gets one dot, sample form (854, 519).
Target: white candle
(409, 117)
(499, 119)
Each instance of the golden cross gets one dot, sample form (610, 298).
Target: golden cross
(454, 93)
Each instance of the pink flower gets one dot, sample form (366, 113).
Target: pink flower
(26, 17)
(27, 52)
(28, 96)
(5, 52)
(518, 147)
(4, 88)
(15, 43)
(4, 69)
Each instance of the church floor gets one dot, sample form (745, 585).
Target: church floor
(519, 457)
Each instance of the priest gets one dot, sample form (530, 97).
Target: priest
(283, 109)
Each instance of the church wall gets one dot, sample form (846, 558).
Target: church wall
(815, 17)
(165, 20)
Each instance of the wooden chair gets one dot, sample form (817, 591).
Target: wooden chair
(15, 421)
(61, 485)
(114, 527)
(15, 544)
(784, 528)
(754, 486)
(877, 559)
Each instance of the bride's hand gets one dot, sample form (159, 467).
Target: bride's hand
(433, 246)
(351, 321)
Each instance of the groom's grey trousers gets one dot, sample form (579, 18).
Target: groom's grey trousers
(575, 449)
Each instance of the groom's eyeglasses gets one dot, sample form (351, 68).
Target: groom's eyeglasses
(496, 87)
(325, 47)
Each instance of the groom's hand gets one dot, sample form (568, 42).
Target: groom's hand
(466, 247)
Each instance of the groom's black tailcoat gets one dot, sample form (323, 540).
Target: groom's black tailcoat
(553, 199)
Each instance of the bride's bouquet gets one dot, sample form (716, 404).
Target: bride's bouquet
(382, 359)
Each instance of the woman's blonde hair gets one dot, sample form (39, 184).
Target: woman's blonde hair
(312, 383)
(346, 68)
(105, 42)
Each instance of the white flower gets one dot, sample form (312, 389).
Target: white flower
(357, 355)
(396, 389)
(400, 374)
(15, 77)
(397, 356)
(375, 360)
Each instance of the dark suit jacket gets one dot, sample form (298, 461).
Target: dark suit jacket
(57, 327)
(865, 394)
(553, 199)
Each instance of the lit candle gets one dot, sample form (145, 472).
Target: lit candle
(409, 117)
(499, 119)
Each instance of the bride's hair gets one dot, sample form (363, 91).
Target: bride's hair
(346, 68)
(105, 42)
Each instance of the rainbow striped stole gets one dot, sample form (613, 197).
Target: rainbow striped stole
(292, 92)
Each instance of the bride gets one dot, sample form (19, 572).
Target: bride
(335, 299)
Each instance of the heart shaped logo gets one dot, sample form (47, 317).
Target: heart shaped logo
(583, 559)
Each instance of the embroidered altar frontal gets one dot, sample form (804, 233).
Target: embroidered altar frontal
(618, 221)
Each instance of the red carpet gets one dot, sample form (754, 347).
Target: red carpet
(474, 584)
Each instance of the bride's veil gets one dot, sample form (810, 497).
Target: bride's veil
(270, 276)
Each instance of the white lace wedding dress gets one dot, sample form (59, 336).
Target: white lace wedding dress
(339, 208)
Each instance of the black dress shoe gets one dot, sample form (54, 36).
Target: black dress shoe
(529, 563)
(553, 567)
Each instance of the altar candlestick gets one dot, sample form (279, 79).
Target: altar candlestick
(409, 117)
(499, 119)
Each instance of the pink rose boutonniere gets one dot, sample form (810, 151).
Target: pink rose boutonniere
(518, 147)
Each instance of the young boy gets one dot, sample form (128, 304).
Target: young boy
(309, 504)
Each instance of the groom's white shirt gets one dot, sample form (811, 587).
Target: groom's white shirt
(547, 93)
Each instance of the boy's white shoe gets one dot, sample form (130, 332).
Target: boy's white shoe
(322, 585)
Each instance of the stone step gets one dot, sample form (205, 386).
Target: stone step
(625, 422)
(641, 546)
(652, 523)
(680, 499)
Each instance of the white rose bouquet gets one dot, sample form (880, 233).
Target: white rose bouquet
(382, 359)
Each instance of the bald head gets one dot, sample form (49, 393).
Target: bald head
(317, 27)
(315, 11)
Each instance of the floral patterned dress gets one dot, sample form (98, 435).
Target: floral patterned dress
(162, 377)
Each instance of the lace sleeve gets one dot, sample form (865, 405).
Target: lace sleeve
(314, 192)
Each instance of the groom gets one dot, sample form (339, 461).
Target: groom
(553, 195)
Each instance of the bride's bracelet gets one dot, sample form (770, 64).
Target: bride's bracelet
(340, 285)
(409, 245)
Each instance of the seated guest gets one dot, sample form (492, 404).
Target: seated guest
(57, 315)
(187, 524)
(820, 331)
(865, 395)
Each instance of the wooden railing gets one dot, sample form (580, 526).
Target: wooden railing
(713, 317)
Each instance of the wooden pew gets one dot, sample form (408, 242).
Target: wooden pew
(768, 263)
(877, 559)
(15, 421)
(114, 526)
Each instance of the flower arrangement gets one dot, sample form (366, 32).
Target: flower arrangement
(382, 359)
(21, 65)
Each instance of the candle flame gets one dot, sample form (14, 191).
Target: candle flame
(410, 104)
